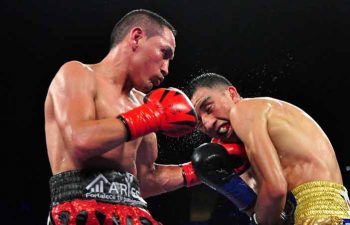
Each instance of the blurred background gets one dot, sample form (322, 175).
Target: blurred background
(297, 51)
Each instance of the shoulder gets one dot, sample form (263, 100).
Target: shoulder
(258, 103)
(253, 107)
(73, 74)
(73, 70)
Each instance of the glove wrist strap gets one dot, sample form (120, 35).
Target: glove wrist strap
(254, 220)
(141, 120)
(190, 178)
(128, 132)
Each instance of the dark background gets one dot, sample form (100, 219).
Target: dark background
(296, 51)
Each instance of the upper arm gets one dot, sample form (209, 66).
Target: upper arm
(72, 93)
(250, 120)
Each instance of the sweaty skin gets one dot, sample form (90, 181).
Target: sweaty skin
(285, 146)
(83, 102)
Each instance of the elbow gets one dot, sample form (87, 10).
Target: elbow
(79, 146)
(145, 192)
(277, 189)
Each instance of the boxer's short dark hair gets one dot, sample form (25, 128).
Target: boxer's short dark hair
(151, 22)
(208, 80)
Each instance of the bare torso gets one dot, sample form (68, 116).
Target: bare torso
(304, 151)
(108, 102)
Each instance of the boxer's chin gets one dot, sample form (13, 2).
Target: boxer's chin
(145, 88)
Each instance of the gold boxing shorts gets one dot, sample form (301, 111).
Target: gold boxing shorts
(321, 202)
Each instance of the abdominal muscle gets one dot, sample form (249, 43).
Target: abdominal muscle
(121, 158)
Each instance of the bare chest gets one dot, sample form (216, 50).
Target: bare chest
(109, 102)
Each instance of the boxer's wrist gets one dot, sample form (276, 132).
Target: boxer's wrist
(283, 216)
(253, 219)
(140, 121)
(189, 176)
(127, 129)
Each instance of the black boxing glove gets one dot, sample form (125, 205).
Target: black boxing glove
(215, 167)
(237, 151)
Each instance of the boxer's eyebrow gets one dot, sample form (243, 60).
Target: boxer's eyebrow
(202, 103)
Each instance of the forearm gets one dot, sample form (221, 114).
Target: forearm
(95, 137)
(269, 205)
(164, 178)
(249, 179)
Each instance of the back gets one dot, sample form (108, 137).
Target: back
(304, 151)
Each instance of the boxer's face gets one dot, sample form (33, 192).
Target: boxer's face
(150, 63)
(213, 107)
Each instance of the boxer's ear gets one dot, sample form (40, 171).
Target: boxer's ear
(233, 92)
(136, 34)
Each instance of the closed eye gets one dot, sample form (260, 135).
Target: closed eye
(209, 108)
(167, 53)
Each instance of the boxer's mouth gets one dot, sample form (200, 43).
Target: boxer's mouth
(224, 130)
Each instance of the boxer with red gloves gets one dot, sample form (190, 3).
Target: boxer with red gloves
(100, 126)
(167, 110)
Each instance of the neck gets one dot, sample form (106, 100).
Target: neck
(237, 99)
(114, 68)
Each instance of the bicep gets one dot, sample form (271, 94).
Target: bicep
(73, 101)
(253, 131)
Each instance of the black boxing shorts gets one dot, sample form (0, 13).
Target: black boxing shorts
(86, 197)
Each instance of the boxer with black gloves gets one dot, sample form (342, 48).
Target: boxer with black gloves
(286, 148)
(100, 127)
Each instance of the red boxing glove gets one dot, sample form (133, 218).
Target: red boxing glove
(167, 110)
(190, 177)
(236, 150)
